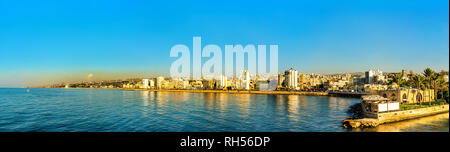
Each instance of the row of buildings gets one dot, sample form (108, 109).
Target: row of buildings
(369, 82)
(291, 80)
(243, 82)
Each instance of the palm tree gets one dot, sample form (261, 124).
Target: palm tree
(398, 80)
(418, 82)
(430, 78)
(441, 85)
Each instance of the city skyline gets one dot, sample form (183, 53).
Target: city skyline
(41, 41)
(368, 76)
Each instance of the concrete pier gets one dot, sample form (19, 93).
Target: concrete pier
(388, 117)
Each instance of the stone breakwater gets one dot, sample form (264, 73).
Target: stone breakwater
(375, 119)
(239, 92)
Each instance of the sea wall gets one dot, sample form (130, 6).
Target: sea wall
(375, 119)
(411, 114)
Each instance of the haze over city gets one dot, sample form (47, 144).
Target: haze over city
(43, 42)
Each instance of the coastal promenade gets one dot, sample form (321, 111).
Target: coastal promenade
(347, 94)
(239, 92)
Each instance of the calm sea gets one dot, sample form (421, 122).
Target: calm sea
(103, 110)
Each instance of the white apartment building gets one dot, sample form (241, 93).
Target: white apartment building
(245, 80)
(291, 76)
(145, 83)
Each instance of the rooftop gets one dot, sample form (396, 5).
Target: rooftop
(373, 98)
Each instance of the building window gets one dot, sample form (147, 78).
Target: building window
(404, 98)
(393, 97)
(419, 97)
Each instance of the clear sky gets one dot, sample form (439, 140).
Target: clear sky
(50, 41)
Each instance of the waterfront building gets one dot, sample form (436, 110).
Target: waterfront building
(145, 84)
(280, 79)
(180, 83)
(262, 85)
(373, 76)
(159, 82)
(175, 83)
(245, 80)
(128, 85)
(185, 84)
(291, 76)
(359, 80)
(211, 84)
(223, 81)
(197, 84)
(234, 83)
(151, 83)
(375, 104)
(374, 87)
(336, 84)
(302, 81)
(408, 96)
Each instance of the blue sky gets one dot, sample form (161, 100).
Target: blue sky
(66, 40)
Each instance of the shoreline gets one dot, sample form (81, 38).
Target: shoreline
(330, 94)
(238, 92)
(76, 88)
(216, 91)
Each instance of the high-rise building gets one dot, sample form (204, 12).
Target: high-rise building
(145, 84)
(185, 84)
(373, 76)
(223, 81)
(159, 82)
(151, 83)
(245, 80)
(291, 76)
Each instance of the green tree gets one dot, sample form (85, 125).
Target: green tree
(430, 78)
(418, 81)
(446, 95)
(441, 86)
(397, 78)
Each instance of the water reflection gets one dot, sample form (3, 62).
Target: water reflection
(292, 105)
(278, 102)
(162, 97)
(282, 112)
(209, 100)
(179, 96)
(243, 102)
(118, 110)
(222, 99)
(339, 103)
(145, 97)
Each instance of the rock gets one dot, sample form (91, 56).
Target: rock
(355, 111)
